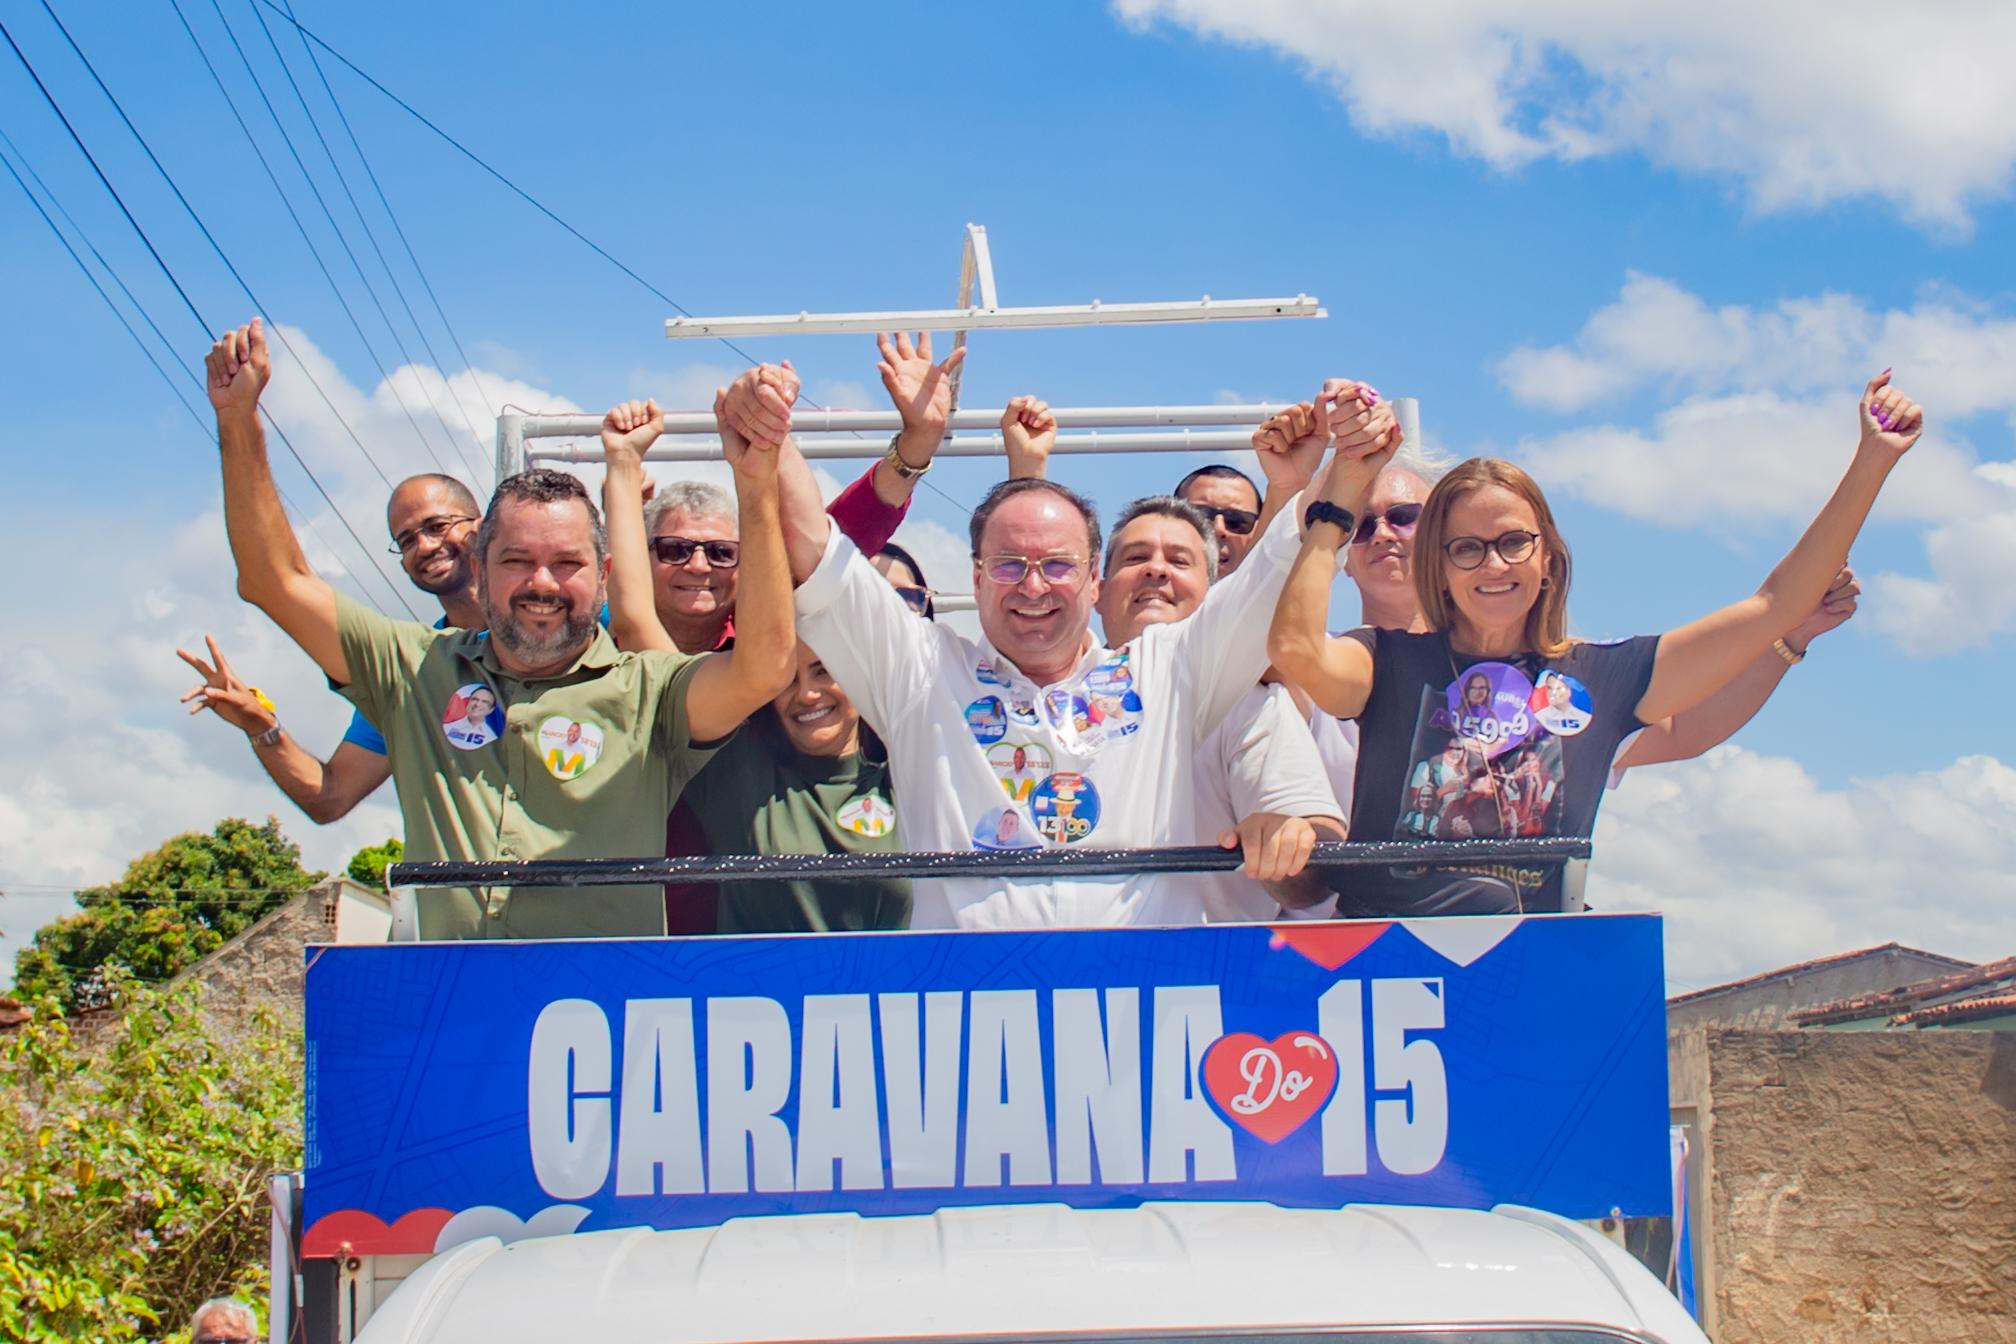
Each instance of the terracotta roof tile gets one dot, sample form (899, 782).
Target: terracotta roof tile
(1800, 968)
(1959, 1010)
(1886, 1002)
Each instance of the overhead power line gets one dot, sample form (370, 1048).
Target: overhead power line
(48, 97)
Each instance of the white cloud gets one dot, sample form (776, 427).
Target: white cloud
(1756, 866)
(1761, 423)
(1802, 102)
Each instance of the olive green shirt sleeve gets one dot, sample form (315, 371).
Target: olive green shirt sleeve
(383, 655)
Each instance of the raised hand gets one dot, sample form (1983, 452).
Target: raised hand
(238, 369)
(1362, 427)
(1030, 431)
(753, 459)
(920, 390)
(237, 704)
(1891, 421)
(758, 403)
(1833, 611)
(629, 429)
(1290, 446)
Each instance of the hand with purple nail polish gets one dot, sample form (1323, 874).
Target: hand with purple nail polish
(1891, 421)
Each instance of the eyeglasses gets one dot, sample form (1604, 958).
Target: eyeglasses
(917, 599)
(1059, 571)
(1401, 518)
(1238, 522)
(678, 550)
(433, 529)
(1469, 552)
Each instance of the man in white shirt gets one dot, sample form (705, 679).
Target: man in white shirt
(1121, 726)
(1260, 783)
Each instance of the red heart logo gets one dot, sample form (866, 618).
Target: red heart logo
(1270, 1088)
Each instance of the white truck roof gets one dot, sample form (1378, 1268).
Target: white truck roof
(1036, 1270)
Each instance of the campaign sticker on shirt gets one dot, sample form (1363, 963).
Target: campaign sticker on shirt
(1004, 828)
(987, 719)
(1066, 807)
(1490, 704)
(983, 672)
(473, 717)
(1022, 711)
(1111, 677)
(869, 815)
(1562, 704)
(568, 746)
(1019, 766)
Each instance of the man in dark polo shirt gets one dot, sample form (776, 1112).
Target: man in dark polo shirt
(539, 739)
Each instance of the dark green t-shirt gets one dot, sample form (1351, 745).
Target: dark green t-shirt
(760, 795)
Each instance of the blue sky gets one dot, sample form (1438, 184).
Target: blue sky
(1654, 268)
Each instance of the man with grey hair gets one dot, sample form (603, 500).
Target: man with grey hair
(224, 1320)
(1260, 785)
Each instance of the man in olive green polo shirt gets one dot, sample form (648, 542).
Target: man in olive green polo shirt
(540, 739)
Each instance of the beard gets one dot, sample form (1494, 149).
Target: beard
(573, 635)
(461, 569)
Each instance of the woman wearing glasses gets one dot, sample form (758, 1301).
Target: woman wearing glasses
(1490, 576)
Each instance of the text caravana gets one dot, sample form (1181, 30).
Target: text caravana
(1108, 1087)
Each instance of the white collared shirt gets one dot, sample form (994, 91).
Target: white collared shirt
(1115, 740)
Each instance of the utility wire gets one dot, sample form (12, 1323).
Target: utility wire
(371, 234)
(203, 426)
(48, 97)
(300, 228)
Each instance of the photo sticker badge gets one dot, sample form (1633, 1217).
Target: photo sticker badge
(869, 815)
(1562, 704)
(1020, 766)
(987, 719)
(1490, 705)
(473, 718)
(1004, 828)
(1066, 807)
(567, 747)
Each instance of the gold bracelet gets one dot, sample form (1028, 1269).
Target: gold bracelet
(1784, 650)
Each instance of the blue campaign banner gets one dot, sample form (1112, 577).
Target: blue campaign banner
(465, 1089)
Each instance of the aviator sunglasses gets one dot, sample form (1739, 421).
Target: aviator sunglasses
(1401, 518)
(678, 550)
(1057, 570)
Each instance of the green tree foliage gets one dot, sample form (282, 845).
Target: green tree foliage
(368, 865)
(174, 904)
(133, 1156)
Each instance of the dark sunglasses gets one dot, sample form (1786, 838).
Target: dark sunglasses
(1238, 522)
(1401, 518)
(917, 599)
(1512, 547)
(678, 550)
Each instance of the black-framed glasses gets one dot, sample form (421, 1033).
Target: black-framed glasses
(433, 529)
(1238, 522)
(678, 550)
(1469, 552)
(1401, 518)
(1059, 571)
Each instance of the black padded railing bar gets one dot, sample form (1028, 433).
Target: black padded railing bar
(1021, 863)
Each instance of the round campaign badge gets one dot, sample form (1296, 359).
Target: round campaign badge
(1562, 704)
(1022, 711)
(1490, 705)
(473, 717)
(983, 672)
(869, 815)
(1066, 807)
(987, 719)
(1004, 828)
(1019, 766)
(569, 746)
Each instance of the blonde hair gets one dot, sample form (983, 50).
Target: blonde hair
(1547, 620)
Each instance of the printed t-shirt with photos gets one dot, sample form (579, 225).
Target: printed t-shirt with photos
(1107, 750)
(1453, 747)
(761, 795)
(583, 765)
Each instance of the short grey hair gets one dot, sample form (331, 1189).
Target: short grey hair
(240, 1314)
(1167, 506)
(697, 499)
(1420, 461)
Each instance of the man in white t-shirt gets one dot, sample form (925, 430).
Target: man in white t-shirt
(1260, 784)
(1121, 727)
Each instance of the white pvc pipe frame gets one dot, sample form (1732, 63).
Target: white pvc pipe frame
(689, 435)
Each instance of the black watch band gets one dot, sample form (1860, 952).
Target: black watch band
(1323, 511)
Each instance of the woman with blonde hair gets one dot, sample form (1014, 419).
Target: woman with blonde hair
(1491, 571)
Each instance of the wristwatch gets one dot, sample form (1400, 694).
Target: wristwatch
(904, 471)
(1784, 650)
(1323, 511)
(269, 738)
